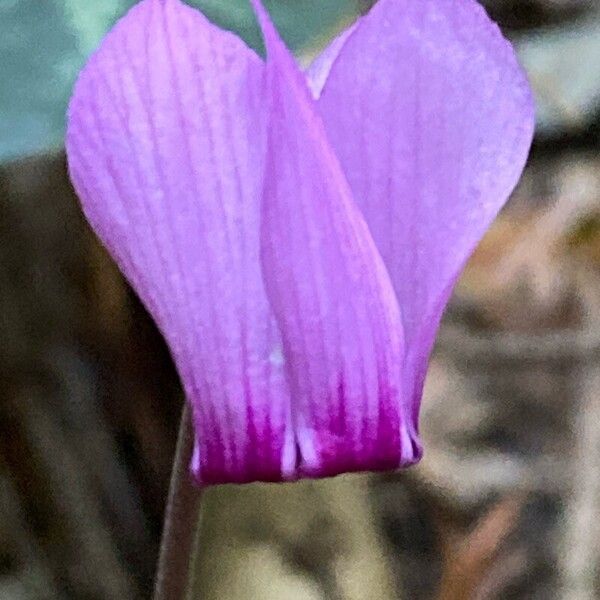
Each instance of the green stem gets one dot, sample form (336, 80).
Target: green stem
(181, 521)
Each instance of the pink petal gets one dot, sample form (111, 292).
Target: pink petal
(431, 118)
(318, 71)
(334, 303)
(166, 145)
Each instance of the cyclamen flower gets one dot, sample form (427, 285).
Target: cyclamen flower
(296, 235)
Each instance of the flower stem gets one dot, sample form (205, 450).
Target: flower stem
(181, 521)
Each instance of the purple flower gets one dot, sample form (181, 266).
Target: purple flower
(296, 236)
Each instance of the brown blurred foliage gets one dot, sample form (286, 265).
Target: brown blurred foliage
(89, 397)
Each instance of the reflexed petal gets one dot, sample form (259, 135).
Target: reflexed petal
(166, 145)
(431, 118)
(318, 71)
(330, 292)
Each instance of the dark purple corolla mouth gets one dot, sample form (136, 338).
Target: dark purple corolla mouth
(296, 235)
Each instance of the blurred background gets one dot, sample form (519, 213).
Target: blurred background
(506, 502)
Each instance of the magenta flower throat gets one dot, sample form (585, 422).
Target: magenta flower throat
(296, 235)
